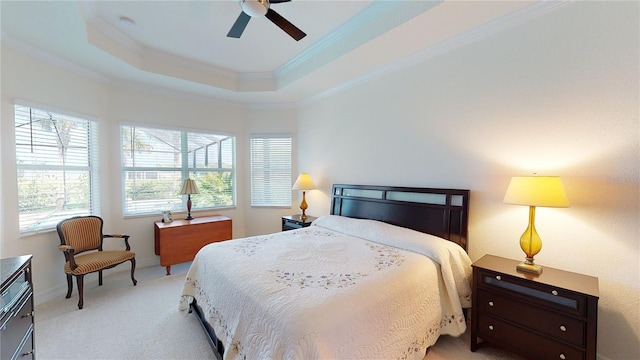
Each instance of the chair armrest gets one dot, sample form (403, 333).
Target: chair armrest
(122, 236)
(69, 255)
(65, 248)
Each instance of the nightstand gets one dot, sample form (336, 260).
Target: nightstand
(292, 222)
(550, 316)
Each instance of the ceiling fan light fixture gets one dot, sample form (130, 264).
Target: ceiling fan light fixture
(255, 8)
(127, 21)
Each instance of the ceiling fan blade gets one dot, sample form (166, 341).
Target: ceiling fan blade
(278, 1)
(285, 25)
(238, 27)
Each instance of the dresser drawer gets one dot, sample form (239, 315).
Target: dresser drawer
(16, 325)
(547, 322)
(544, 295)
(530, 344)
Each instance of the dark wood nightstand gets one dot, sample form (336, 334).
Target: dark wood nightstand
(292, 222)
(550, 316)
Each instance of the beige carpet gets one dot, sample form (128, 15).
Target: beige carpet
(120, 321)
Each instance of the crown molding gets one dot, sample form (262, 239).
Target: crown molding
(377, 19)
(518, 17)
(44, 56)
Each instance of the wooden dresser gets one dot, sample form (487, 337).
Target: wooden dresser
(16, 321)
(550, 316)
(179, 241)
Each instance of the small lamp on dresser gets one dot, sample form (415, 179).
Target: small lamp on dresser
(189, 187)
(533, 191)
(303, 183)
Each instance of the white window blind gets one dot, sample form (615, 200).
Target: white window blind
(271, 171)
(57, 165)
(156, 161)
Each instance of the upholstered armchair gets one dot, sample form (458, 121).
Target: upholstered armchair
(81, 240)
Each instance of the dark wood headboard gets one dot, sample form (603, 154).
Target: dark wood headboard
(440, 212)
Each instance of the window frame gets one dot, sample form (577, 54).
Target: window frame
(285, 204)
(186, 169)
(92, 168)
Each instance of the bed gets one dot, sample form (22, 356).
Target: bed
(382, 276)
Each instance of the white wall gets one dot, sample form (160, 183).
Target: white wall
(263, 220)
(34, 81)
(45, 85)
(558, 96)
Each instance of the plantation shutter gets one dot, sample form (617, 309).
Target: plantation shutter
(271, 171)
(57, 170)
(157, 161)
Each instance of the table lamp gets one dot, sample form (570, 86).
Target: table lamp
(189, 187)
(534, 191)
(303, 183)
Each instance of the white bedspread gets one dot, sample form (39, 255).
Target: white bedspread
(339, 289)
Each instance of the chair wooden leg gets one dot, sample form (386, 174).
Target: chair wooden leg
(133, 270)
(100, 278)
(80, 281)
(69, 285)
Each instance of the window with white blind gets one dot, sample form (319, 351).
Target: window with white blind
(271, 171)
(57, 165)
(156, 161)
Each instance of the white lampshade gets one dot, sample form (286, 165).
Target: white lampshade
(545, 191)
(189, 187)
(304, 182)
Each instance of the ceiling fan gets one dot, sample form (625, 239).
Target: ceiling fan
(257, 8)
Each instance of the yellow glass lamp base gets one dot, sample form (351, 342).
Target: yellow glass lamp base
(531, 244)
(303, 207)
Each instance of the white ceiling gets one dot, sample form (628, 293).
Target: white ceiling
(181, 46)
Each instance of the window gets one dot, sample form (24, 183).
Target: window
(271, 171)
(57, 168)
(155, 163)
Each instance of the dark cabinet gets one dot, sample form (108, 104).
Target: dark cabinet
(292, 222)
(550, 316)
(17, 316)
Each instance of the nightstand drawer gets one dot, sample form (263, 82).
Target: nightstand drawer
(533, 345)
(544, 295)
(539, 319)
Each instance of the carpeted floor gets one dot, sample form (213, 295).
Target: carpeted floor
(120, 321)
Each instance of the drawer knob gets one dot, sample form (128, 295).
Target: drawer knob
(554, 292)
(498, 277)
(490, 303)
(31, 313)
(562, 356)
(490, 327)
(563, 328)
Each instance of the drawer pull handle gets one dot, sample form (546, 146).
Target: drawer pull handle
(498, 277)
(563, 328)
(27, 353)
(490, 327)
(554, 292)
(490, 303)
(31, 313)
(562, 356)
